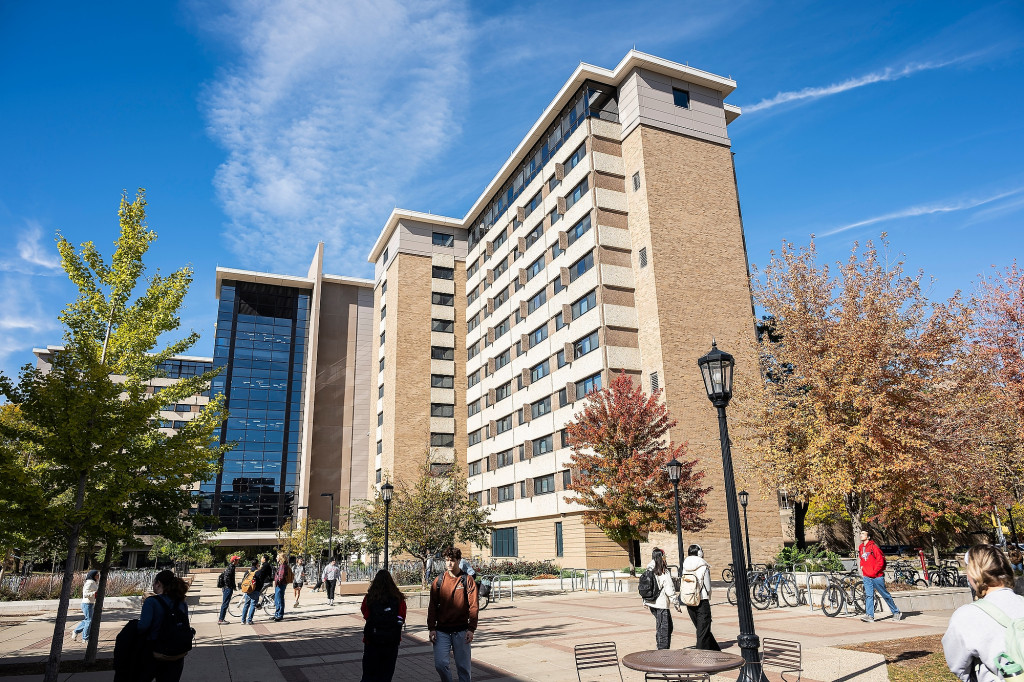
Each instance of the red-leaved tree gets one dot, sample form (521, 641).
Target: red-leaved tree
(618, 458)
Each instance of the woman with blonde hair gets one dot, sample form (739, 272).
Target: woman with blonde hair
(975, 639)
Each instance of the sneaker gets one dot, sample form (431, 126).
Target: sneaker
(898, 615)
(295, 605)
(868, 619)
(222, 622)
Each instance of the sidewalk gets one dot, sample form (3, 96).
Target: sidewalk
(530, 639)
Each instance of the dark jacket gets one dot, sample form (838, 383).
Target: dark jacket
(262, 576)
(229, 577)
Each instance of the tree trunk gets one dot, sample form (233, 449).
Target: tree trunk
(97, 609)
(935, 549)
(854, 506)
(52, 670)
(799, 529)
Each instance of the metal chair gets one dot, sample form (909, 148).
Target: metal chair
(594, 657)
(782, 654)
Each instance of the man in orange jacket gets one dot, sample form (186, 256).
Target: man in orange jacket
(872, 570)
(452, 617)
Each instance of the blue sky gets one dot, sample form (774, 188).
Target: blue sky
(259, 128)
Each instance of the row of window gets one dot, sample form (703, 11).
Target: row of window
(505, 541)
(542, 485)
(536, 409)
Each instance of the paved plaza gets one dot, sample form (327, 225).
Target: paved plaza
(531, 638)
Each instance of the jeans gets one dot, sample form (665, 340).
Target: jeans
(249, 606)
(225, 599)
(872, 584)
(330, 588)
(449, 641)
(86, 623)
(662, 627)
(700, 616)
(279, 601)
(379, 662)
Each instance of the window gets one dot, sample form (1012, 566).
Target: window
(504, 424)
(473, 322)
(584, 345)
(472, 380)
(442, 353)
(534, 203)
(477, 497)
(502, 328)
(384, 261)
(381, 363)
(503, 542)
(474, 469)
(383, 287)
(579, 229)
(438, 272)
(442, 239)
(537, 301)
(681, 98)
(504, 458)
(522, 490)
(576, 194)
(654, 381)
(560, 359)
(473, 269)
(643, 256)
(380, 419)
(544, 485)
(506, 493)
(503, 391)
(380, 447)
(446, 326)
(576, 157)
(541, 407)
(438, 298)
(585, 386)
(473, 350)
(556, 285)
(581, 266)
(535, 234)
(442, 381)
(380, 391)
(383, 311)
(473, 408)
(500, 239)
(584, 304)
(473, 294)
(566, 479)
(378, 475)
(440, 469)
(539, 371)
(382, 338)
(501, 297)
(503, 359)
(543, 445)
(559, 321)
(636, 181)
(535, 268)
(556, 251)
(538, 334)
(563, 438)
(474, 438)
(553, 182)
(442, 440)
(182, 408)
(559, 546)
(442, 410)
(555, 217)
(563, 398)
(500, 268)
(489, 493)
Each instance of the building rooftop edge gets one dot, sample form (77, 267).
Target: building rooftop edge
(53, 349)
(262, 277)
(584, 71)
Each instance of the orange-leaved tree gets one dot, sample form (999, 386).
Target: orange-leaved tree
(618, 458)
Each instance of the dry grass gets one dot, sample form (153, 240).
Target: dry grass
(913, 659)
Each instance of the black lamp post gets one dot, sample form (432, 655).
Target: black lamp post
(1013, 528)
(675, 471)
(744, 499)
(716, 368)
(386, 491)
(330, 552)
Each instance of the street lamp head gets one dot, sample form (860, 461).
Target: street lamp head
(675, 470)
(744, 498)
(716, 368)
(386, 491)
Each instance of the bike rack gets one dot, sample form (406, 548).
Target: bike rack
(807, 585)
(496, 581)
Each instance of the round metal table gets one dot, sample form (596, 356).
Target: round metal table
(684, 661)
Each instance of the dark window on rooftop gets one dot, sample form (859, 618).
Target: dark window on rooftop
(681, 98)
(442, 239)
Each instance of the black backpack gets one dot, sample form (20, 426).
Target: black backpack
(648, 587)
(383, 624)
(175, 636)
(220, 580)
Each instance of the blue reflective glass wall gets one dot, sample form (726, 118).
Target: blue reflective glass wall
(261, 343)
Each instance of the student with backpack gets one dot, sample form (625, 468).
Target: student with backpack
(226, 583)
(383, 608)
(452, 617)
(695, 595)
(985, 640)
(657, 590)
(253, 586)
(283, 576)
(165, 631)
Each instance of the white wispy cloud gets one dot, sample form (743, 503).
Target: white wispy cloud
(33, 256)
(926, 209)
(330, 109)
(887, 74)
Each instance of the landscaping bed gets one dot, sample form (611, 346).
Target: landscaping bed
(914, 659)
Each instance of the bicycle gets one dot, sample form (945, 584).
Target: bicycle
(903, 572)
(947, 575)
(843, 589)
(483, 592)
(766, 588)
(263, 601)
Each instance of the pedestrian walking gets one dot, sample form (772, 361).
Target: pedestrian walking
(165, 630)
(452, 617)
(975, 642)
(283, 577)
(298, 580)
(1016, 560)
(383, 608)
(259, 576)
(330, 578)
(698, 589)
(872, 570)
(226, 583)
(660, 605)
(89, 588)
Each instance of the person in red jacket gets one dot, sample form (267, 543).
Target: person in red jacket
(383, 609)
(452, 617)
(872, 570)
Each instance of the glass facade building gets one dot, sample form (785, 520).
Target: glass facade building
(261, 342)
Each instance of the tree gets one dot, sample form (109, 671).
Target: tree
(311, 536)
(861, 371)
(100, 455)
(193, 546)
(618, 458)
(22, 498)
(429, 514)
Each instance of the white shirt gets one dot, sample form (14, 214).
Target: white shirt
(700, 568)
(668, 590)
(973, 634)
(89, 589)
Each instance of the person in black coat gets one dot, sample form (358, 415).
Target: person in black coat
(228, 587)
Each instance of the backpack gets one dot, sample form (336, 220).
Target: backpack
(221, 582)
(289, 575)
(1010, 663)
(249, 584)
(383, 624)
(648, 587)
(690, 588)
(174, 638)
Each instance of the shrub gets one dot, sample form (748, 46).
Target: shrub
(814, 558)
